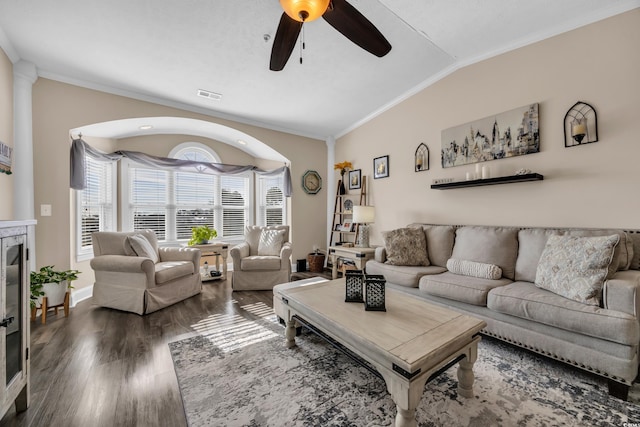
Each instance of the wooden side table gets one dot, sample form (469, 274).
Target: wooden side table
(359, 256)
(211, 253)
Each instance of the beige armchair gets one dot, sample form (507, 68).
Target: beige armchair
(133, 274)
(263, 260)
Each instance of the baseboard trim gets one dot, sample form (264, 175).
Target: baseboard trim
(79, 295)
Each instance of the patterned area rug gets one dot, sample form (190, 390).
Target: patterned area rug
(237, 372)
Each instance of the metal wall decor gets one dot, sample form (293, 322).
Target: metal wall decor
(421, 159)
(580, 125)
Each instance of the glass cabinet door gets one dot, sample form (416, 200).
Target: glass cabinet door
(13, 259)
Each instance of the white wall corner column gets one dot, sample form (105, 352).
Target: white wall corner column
(24, 76)
(331, 184)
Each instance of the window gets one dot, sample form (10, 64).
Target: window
(95, 205)
(172, 202)
(271, 200)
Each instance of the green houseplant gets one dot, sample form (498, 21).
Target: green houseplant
(202, 234)
(50, 283)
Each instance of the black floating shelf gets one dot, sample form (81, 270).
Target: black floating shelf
(489, 181)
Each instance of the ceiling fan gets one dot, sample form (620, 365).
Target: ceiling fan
(338, 13)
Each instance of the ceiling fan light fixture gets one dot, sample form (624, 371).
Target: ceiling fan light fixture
(304, 10)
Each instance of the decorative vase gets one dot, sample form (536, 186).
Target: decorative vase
(343, 190)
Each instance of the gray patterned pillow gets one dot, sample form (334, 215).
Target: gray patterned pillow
(406, 246)
(576, 267)
(474, 269)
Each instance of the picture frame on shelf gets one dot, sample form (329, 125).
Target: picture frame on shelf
(381, 167)
(346, 226)
(355, 178)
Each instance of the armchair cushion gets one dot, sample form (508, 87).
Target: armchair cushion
(141, 247)
(167, 271)
(270, 242)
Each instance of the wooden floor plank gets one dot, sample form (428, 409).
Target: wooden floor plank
(103, 367)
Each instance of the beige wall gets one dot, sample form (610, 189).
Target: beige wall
(59, 107)
(594, 185)
(6, 132)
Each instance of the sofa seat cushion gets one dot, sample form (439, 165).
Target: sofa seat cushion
(170, 270)
(259, 262)
(471, 290)
(402, 275)
(526, 301)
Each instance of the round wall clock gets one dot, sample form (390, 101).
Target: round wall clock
(311, 182)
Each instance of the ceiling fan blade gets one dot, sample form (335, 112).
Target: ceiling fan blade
(354, 26)
(284, 42)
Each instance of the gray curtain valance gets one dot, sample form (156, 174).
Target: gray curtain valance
(80, 149)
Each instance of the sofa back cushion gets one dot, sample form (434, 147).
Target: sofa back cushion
(635, 261)
(489, 245)
(623, 256)
(439, 242)
(531, 242)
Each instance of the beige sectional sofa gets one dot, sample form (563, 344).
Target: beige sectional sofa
(601, 335)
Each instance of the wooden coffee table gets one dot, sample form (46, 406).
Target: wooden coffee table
(407, 344)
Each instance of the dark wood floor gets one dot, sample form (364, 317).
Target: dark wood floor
(103, 367)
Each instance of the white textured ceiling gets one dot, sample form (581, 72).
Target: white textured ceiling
(165, 50)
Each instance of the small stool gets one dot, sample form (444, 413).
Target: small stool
(44, 307)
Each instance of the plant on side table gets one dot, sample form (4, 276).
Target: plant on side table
(49, 289)
(202, 234)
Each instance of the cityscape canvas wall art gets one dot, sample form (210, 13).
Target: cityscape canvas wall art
(512, 133)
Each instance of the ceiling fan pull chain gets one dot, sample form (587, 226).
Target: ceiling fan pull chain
(302, 46)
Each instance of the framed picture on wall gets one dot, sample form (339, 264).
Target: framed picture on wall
(354, 179)
(381, 167)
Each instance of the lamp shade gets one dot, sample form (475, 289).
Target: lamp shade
(304, 10)
(364, 214)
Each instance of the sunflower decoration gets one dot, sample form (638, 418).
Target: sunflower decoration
(343, 166)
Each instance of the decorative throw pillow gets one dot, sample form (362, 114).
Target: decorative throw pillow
(141, 247)
(270, 242)
(474, 269)
(576, 267)
(406, 246)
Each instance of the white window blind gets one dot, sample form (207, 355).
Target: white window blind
(235, 204)
(96, 203)
(148, 200)
(195, 196)
(173, 202)
(271, 200)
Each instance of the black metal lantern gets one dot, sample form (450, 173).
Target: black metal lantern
(374, 292)
(353, 286)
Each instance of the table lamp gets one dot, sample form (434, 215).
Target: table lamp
(363, 215)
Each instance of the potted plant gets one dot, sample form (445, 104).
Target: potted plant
(52, 284)
(201, 235)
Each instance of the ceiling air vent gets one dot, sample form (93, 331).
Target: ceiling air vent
(210, 95)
